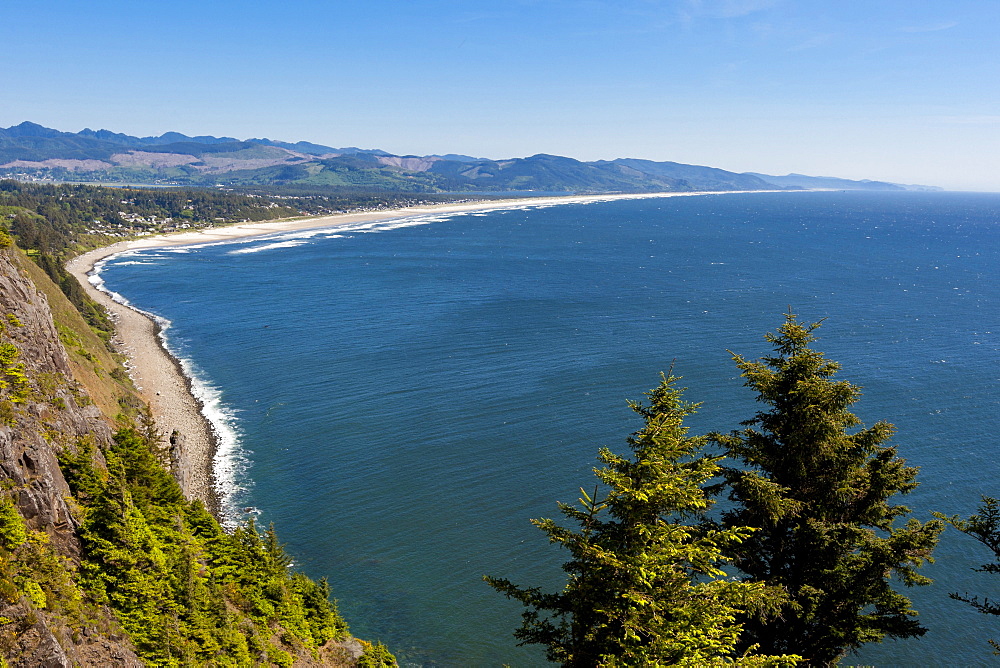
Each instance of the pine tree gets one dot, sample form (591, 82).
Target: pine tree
(820, 496)
(984, 526)
(644, 587)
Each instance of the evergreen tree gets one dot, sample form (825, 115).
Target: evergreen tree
(820, 497)
(644, 587)
(984, 526)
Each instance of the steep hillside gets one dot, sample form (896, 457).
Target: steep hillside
(103, 562)
(46, 617)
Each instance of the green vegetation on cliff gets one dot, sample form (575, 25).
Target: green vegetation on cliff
(35, 581)
(101, 556)
(186, 591)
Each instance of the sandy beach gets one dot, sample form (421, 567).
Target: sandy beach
(159, 377)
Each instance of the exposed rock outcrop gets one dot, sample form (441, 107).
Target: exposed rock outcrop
(54, 414)
(51, 613)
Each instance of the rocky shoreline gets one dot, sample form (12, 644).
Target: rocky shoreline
(161, 383)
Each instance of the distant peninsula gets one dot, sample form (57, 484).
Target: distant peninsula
(31, 152)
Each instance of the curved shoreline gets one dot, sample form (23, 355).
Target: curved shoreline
(160, 377)
(161, 382)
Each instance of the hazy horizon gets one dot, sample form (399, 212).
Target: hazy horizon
(895, 92)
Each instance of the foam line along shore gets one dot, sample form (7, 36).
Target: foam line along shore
(189, 407)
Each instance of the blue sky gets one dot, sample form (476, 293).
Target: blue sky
(900, 91)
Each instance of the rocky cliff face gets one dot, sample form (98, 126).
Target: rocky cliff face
(63, 396)
(42, 412)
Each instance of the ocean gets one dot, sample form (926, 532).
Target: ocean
(401, 398)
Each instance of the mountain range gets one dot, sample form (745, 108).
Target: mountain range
(31, 151)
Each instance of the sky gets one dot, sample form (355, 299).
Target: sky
(903, 91)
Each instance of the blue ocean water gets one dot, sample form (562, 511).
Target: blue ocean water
(405, 396)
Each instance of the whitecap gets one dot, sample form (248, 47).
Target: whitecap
(230, 463)
(267, 247)
(95, 279)
(345, 230)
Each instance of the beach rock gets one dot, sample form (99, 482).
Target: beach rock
(177, 464)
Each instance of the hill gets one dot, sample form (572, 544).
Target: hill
(834, 183)
(29, 151)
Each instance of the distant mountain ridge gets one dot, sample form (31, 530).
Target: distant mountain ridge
(32, 151)
(803, 181)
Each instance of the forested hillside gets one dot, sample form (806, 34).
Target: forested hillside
(31, 152)
(102, 559)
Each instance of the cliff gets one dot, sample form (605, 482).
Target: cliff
(44, 409)
(103, 561)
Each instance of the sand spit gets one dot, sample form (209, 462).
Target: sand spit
(159, 376)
